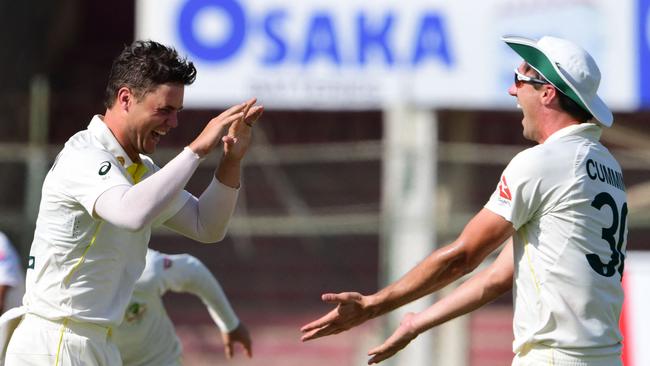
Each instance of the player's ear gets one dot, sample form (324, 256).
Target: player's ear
(548, 94)
(125, 98)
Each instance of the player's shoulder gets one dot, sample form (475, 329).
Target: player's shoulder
(530, 158)
(82, 140)
(549, 155)
(83, 147)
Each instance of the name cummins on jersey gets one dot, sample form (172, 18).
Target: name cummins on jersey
(566, 200)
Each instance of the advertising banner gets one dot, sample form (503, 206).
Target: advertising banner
(352, 54)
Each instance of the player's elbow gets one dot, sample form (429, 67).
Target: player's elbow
(466, 260)
(131, 224)
(213, 236)
(459, 266)
(498, 281)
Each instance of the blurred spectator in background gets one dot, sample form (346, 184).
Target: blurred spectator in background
(12, 276)
(146, 337)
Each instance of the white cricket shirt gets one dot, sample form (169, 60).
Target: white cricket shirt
(147, 337)
(567, 201)
(82, 267)
(11, 274)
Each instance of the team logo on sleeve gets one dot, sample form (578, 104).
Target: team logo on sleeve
(504, 191)
(167, 263)
(104, 167)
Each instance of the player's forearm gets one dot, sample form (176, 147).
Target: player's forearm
(468, 297)
(479, 290)
(133, 207)
(229, 172)
(206, 219)
(216, 206)
(442, 267)
(205, 286)
(483, 234)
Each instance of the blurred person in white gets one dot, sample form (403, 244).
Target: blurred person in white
(563, 202)
(12, 276)
(101, 199)
(146, 337)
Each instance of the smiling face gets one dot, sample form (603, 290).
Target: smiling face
(151, 117)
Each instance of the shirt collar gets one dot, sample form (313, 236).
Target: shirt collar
(103, 134)
(589, 130)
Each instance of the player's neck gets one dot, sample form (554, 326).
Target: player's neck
(552, 123)
(117, 126)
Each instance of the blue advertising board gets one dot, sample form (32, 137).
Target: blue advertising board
(355, 54)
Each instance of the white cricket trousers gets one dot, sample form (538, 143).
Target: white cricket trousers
(41, 342)
(542, 356)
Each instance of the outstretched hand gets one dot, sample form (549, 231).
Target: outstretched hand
(402, 336)
(238, 335)
(351, 310)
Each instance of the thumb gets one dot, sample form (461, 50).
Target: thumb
(228, 349)
(229, 140)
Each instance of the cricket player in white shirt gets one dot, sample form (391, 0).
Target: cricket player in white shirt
(12, 276)
(563, 202)
(101, 199)
(146, 337)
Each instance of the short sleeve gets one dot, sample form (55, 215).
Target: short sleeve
(84, 174)
(517, 197)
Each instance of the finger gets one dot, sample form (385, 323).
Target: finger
(229, 141)
(251, 101)
(377, 357)
(344, 297)
(378, 349)
(318, 323)
(226, 122)
(234, 109)
(235, 117)
(248, 348)
(228, 350)
(246, 109)
(321, 332)
(253, 115)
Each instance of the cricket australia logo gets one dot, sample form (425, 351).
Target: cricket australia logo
(135, 312)
(104, 167)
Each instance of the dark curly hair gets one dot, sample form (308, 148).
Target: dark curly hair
(143, 66)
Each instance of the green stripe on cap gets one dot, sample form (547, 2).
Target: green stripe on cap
(543, 65)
